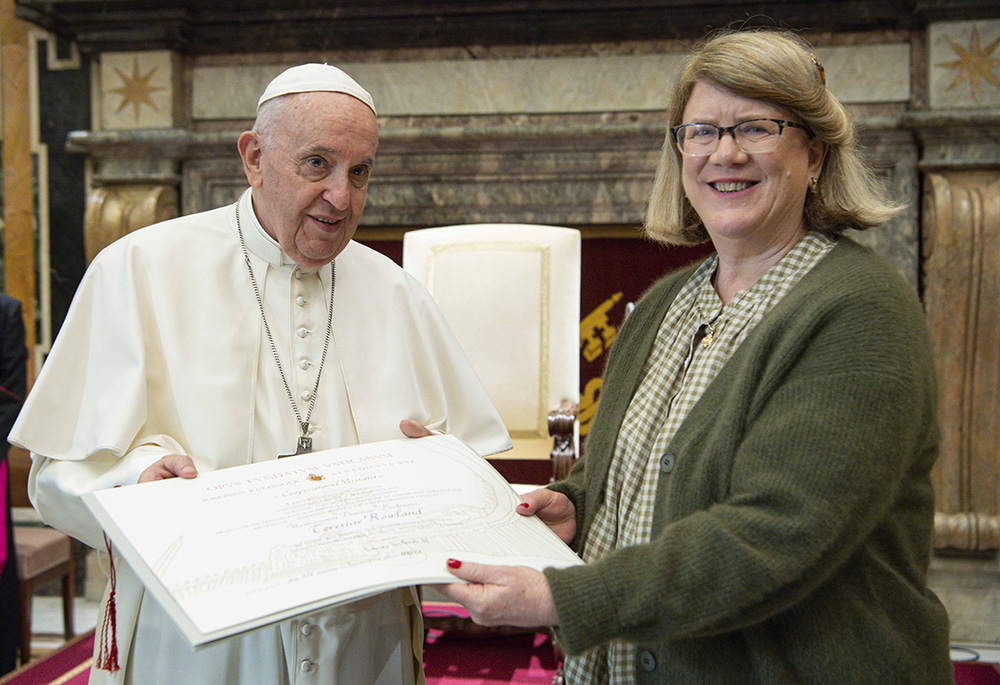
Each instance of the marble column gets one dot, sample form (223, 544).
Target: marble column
(18, 176)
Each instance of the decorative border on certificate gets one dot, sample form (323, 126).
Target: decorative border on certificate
(236, 549)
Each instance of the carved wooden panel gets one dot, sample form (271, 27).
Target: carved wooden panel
(962, 293)
(115, 210)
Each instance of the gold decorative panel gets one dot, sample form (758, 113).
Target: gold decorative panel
(964, 68)
(137, 90)
(114, 211)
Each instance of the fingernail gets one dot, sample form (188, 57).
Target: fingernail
(454, 563)
(523, 505)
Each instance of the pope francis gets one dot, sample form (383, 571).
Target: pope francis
(239, 335)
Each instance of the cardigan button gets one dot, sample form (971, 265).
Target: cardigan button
(647, 661)
(667, 463)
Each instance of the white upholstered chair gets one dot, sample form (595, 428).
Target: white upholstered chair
(511, 293)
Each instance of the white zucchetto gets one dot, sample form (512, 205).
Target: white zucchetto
(312, 78)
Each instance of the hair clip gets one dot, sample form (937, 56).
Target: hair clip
(822, 71)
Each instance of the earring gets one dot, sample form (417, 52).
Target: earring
(813, 183)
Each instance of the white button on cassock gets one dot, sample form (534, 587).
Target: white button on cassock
(306, 666)
(302, 332)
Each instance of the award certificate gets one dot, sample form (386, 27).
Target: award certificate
(236, 549)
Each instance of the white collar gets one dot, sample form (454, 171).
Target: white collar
(267, 248)
(257, 239)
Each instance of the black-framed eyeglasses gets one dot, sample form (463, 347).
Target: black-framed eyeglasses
(752, 136)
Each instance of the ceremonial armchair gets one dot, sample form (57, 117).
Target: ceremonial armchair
(511, 293)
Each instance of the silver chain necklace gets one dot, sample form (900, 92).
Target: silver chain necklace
(305, 441)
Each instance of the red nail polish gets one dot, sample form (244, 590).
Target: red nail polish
(523, 505)
(454, 563)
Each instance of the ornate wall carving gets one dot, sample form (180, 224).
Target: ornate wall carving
(962, 265)
(564, 173)
(113, 211)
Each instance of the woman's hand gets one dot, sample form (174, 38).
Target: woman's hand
(170, 466)
(555, 510)
(502, 595)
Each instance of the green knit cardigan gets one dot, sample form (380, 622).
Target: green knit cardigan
(793, 517)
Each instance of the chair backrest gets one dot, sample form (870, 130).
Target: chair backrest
(511, 293)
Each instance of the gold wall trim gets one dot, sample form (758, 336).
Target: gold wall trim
(967, 532)
(114, 211)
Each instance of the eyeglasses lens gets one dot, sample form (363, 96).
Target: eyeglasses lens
(755, 136)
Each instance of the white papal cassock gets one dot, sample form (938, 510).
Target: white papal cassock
(163, 350)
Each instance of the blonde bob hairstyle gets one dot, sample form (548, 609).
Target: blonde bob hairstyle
(775, 67)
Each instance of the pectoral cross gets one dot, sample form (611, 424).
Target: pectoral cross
(305, 444)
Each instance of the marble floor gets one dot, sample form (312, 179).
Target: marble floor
(47, 622)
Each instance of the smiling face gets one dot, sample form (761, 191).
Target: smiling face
(309, 175)
(749, 200)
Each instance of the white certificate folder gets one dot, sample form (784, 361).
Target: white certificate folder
(244, 547)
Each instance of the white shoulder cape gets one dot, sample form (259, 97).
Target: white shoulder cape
(162, 338)
(161, 348)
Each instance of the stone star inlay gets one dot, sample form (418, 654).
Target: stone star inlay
(136, 89)
(974, 63)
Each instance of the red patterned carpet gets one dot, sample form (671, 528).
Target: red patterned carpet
(457, 652)
(67, 666)
(526, 659)
(450, 658)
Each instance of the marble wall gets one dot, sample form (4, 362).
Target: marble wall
(562, 139)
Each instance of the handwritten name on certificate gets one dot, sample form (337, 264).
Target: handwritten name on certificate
(243, 547)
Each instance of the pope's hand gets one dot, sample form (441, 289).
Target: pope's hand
(170, 466)
(502, 595)
(412, 429)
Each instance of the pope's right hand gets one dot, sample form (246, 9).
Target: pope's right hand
(170, 466)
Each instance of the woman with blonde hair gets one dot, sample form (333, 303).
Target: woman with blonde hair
(755, 503)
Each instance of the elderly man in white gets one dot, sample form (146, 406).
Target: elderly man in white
(239, 335)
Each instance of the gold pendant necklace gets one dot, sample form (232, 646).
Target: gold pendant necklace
(707, 340)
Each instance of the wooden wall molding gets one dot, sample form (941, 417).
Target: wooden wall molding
(968, 532)
(961, 220)
(116, 210)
